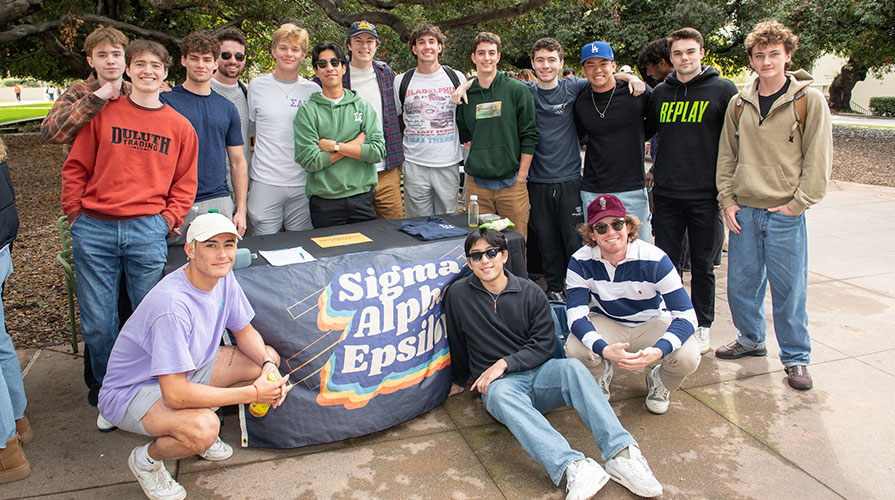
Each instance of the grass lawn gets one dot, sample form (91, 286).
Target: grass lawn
(23, 111)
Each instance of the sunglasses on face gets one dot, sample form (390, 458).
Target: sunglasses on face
(477, 256)
(602, 228)
(227, 55)
(321, 63)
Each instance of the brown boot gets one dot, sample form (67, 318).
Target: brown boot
(23, 428)
(13, 464)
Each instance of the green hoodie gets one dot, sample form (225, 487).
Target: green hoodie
(498, 139)
(320, 118)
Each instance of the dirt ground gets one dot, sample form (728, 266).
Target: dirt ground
(34, 297)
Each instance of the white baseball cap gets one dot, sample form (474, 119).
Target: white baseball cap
(207, 226)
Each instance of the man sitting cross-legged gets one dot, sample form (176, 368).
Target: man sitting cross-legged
(500, 331)
(168, 370)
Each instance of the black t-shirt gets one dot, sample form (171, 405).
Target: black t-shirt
(765, 103)
(615, 142)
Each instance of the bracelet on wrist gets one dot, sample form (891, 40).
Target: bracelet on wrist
(269, 361)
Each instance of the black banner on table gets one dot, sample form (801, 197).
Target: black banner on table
(361, 336)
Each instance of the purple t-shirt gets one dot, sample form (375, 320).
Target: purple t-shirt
(177, 328)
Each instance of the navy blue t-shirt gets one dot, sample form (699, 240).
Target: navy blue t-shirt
(557, 156)
(217, 124)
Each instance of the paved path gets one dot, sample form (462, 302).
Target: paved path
(735, 430)
(868, 121)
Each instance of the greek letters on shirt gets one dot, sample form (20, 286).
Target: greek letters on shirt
(682, 111)
(141, 141)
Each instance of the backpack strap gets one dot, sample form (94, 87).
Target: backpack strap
(737, 111)
(405, 82)
(452, 75)
(243, 88)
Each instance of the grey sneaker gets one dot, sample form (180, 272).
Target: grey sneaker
(702, 339)
(157, 483)
(606, 378)
(218, 451)
(634, 473)
(657, 393)
(584, 478)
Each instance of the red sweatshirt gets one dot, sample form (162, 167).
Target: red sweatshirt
(131, 162)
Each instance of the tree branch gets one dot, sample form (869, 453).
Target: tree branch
(69, 58)
(26, 30)
(382, 4)
(11, 10)
(147, 33)
(229, 24)
(490, 15)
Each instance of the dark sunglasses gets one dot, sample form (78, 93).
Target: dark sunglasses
(477, 256)
(227, 55)
(321, 63)
(601, 227)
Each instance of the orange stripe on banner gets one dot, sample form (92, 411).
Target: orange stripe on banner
(315, 356)
(312, 343)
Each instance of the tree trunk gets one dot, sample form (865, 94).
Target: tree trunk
(841, 88)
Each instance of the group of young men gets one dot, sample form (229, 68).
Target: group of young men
(144, 166)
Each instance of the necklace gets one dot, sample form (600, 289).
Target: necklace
(286, 94)
(603, 113)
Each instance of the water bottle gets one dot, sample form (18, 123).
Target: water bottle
(472, 211)
(261, 409)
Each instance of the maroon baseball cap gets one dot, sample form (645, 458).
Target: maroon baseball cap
(605, 205)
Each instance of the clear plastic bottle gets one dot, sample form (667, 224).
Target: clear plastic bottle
(261, 409)
(472, 211)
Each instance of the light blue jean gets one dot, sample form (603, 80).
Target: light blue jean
(771, 247)
(12, 389)
(636, 203)
(103, 249)
(519, 401)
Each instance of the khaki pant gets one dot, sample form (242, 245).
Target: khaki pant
(387, 196)
(511, 202)
(674, 368)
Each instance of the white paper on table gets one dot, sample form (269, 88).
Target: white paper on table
(287, 256)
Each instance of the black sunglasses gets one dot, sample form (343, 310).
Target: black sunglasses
(227, 55)
(601, 227)
(477, 256)
(321, 63)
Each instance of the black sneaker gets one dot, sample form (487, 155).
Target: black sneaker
(555, 296)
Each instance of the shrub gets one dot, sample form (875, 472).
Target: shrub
(882, 106)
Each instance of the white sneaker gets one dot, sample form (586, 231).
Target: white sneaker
(606, 378)
(702, 339)
(104, 425)
(218, 451)
(634, 473)
(584, 478)
(657, 393)
(157, 483)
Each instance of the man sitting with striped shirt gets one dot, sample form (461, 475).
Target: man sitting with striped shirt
(641, 313)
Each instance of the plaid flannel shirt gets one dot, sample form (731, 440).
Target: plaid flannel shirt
(394, 145)
(74, 109)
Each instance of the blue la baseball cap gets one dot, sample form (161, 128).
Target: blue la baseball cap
(596, 49)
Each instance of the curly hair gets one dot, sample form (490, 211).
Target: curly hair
(655, 52)
(104, 34)
(200, 42)
(771, 32)
(546, 43)
(485, 37)
(585, 229)
(425, 29)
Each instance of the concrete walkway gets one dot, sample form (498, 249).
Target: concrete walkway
(735, 430)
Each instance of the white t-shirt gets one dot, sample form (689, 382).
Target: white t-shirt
(363, 81)
(430, 124)
(272, 107)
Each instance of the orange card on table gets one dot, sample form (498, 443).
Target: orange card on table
(338, 240)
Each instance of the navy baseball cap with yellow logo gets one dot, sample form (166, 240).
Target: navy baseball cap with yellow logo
(596, 49)
(359, 27)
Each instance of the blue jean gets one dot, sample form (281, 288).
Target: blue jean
(103, 249)
(519, 401)
(636, 203)
(12, 389)
(771, 247)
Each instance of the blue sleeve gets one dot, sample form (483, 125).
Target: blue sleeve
(234, 132)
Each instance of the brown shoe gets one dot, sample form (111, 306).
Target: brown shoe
(735, 350)
(799, 378)
(23, 428)
(13, 464)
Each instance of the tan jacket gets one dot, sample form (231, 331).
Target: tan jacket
(770, 162)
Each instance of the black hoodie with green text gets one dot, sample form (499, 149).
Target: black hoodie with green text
(689, 117)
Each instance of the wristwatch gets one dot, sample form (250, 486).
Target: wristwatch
(336, 147)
